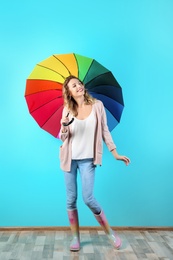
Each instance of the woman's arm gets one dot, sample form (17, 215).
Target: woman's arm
(109, 141)
(123, 158)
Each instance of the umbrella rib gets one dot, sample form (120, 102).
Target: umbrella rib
(63, 64)
(87, 70)
(105, 95)
(107, 107)
(44, 104)
(77, 64)
(96, 77)
(50, 117)
(111, 113)
(51, 70)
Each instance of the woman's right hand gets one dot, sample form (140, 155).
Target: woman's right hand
(64, 120)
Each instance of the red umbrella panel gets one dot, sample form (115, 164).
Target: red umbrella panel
(44, 89)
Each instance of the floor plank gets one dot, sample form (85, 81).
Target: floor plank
(46, 245)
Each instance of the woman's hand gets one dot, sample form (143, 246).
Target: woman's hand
(123, 158)
(64, 120)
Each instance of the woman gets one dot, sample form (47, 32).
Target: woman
(82, 151)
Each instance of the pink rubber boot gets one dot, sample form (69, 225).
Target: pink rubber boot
(114, 239)
(74, 225)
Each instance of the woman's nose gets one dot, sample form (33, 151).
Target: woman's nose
(78, 87)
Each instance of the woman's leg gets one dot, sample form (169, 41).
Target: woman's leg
(71, 191)
(74, 225)
(113, 237)
(87, 174)
(71, 186)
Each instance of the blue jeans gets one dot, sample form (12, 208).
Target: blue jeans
(87, 173)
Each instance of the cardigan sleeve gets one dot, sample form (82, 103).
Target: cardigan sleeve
(62, 135)
(106, 135)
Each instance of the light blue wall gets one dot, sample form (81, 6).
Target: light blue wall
(134, 39)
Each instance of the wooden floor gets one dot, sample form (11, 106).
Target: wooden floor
(36, 245)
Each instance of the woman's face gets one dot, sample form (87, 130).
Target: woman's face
(76, 88)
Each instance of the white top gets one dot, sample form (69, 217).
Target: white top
(83, 132)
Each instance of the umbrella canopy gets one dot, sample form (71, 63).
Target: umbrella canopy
(44, 89)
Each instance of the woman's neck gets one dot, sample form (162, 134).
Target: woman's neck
(80, 101)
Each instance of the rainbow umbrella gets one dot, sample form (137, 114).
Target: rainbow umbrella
(44, 89)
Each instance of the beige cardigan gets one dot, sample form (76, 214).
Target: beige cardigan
(102, 133)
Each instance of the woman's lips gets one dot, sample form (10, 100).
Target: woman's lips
(80, 90)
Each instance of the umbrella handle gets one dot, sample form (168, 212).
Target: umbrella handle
(71, 121)
(66, 124)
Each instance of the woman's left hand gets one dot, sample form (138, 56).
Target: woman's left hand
(123, 158)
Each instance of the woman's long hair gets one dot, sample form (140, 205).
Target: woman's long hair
(69, 101)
